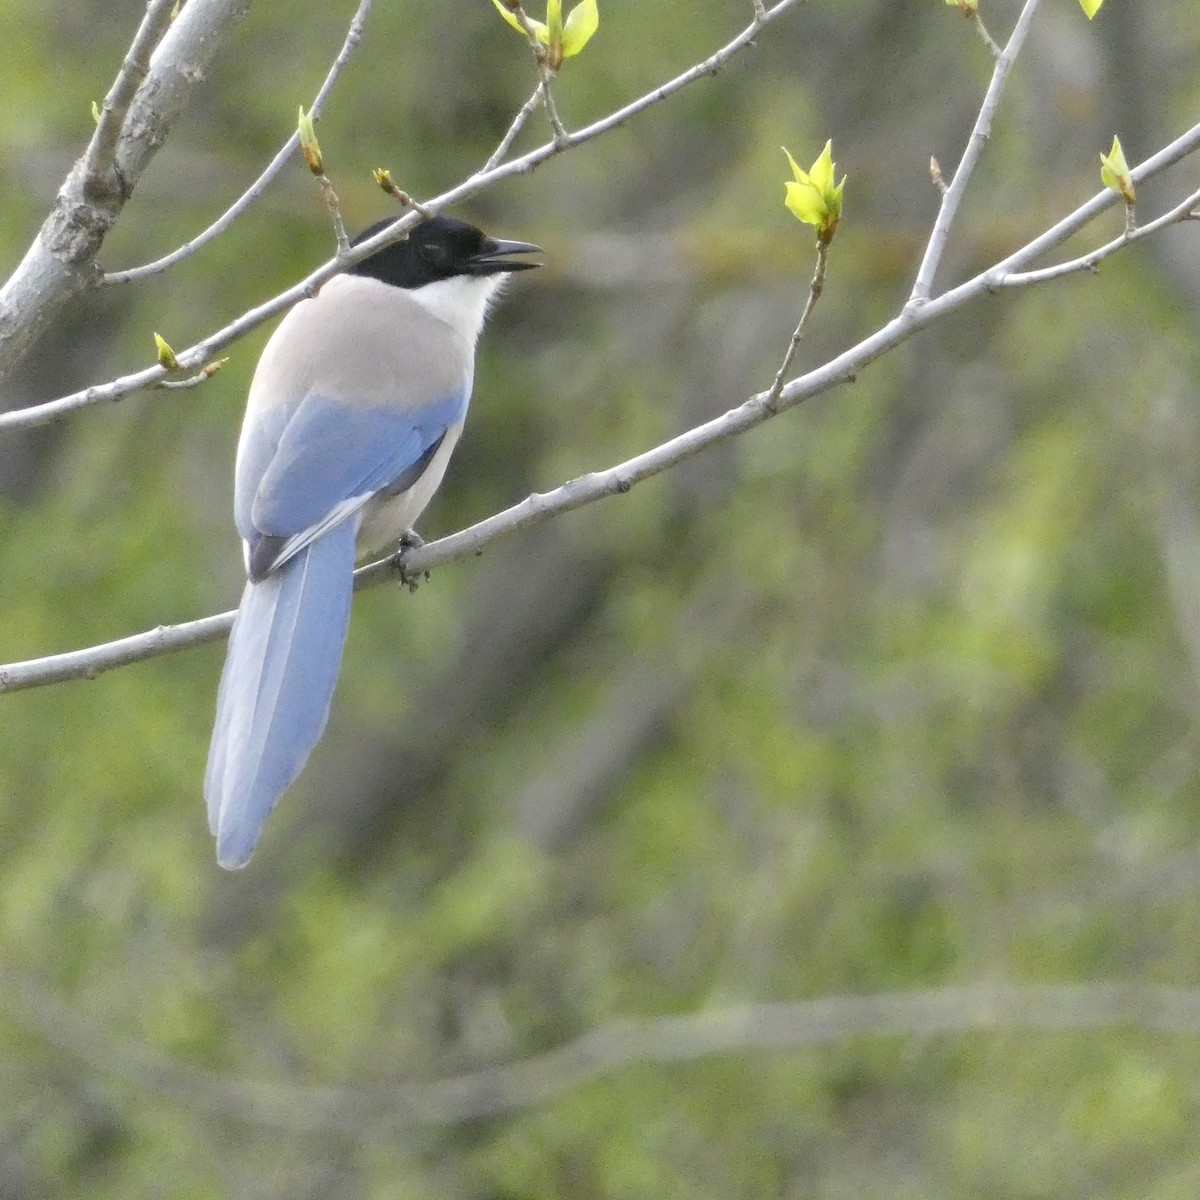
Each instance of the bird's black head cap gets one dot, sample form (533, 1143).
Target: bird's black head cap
(440, 248)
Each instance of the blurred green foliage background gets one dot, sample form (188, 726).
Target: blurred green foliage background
(899, 691)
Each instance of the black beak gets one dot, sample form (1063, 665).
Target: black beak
(493, 256)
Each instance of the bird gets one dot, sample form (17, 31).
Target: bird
(353, 412)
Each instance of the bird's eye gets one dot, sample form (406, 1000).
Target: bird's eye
(435, 252)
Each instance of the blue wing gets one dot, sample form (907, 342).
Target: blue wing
(302, 476)
(326, 461)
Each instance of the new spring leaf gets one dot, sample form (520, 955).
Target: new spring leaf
(562, 39)
(1114, 172)
(583, 21)
(813, 197)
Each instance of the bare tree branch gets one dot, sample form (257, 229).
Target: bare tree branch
(61, 262)
(985, 37)
(1183, 146)
(87, 664)
(952, 196)
(1184, 211)
(617, 480)
(100, 156)
(559, 130)
(260, 185)
(526, 111)
(815, 288)
(205, 373)
(195, 356)
(633, 1042)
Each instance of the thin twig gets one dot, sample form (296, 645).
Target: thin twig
(385, 181)
(981, 29)
(815, 288)
(100, 156)
(202, 376)
(535, 45)
(260, 185)
(59, 264)
(545, 69)
(617, 480)
(983, 1010)
(335, 213)
(526, 111)
(194, 356)
(1183, 146)
(1091, 261)
(556, 125)
(923, 287)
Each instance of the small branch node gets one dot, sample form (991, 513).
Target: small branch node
(202, 376)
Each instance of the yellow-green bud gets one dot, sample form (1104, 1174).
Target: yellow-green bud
(166, 356)
(1114, 172)
(309, 146)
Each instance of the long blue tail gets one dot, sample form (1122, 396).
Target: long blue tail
(280, 672)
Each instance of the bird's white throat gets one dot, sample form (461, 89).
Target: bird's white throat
(462, 302)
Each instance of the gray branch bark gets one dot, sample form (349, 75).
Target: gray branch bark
(195, 356)
(61, 263)
(982, 1010)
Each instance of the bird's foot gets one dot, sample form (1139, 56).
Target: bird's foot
(410, 539)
